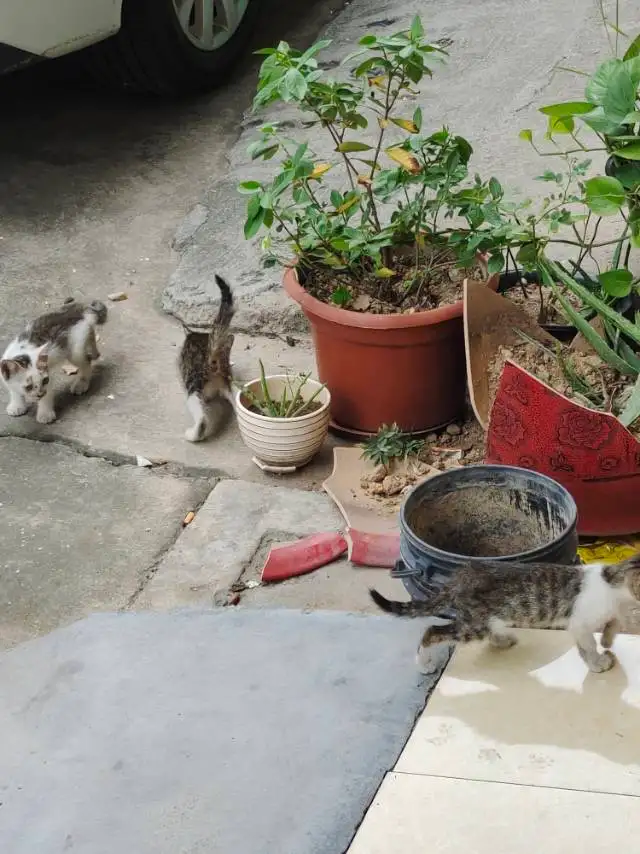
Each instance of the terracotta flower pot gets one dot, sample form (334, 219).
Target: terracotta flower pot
(590, 453)
(386, 368)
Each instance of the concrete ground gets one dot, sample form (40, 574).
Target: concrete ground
(196, 732)
(101, 194)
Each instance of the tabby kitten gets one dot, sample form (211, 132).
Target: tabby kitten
(66, 335)
(205, 368)
(489, 598)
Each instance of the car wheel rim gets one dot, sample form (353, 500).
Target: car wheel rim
(208, 24)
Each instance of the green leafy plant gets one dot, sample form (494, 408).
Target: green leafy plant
(350, 212)
(390, 444)
(290, 404)
(530, 236)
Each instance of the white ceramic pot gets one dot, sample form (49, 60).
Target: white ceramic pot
(283, 442)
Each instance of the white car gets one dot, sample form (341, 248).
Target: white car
(166, 47)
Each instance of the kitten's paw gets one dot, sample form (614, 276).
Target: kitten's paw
(79, 385)
(15, 410)
(193, 434)
(45, 415)
(431, 659)
(602, 662)
(503, 641)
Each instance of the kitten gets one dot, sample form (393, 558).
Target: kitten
(487, 599)
(66, 335)
(205, 367)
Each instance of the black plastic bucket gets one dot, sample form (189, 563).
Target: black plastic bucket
(482, 513)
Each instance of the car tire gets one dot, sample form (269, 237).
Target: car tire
(151, 54)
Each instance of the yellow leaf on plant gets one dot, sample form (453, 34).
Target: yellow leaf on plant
(380, 82)
(405, 159)
(348, 204)
(320, 169)
(384, 273)
(384, 123)
(406, 124)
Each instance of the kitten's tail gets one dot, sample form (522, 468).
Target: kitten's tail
(227, 306)
(402, 609)
(96, 313)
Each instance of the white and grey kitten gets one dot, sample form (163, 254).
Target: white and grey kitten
(205, 368)
(489, 598)
(66, 335)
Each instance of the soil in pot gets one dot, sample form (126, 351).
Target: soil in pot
(538, 302)
(437, 281)
(592, 383)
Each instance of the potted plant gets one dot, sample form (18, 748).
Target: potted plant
(373, 269)
(283, 419)
(577, 416)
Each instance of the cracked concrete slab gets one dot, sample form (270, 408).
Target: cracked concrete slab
(136, 404)
(228, 540)
(499, 72)
(78, 534)
(93, 187)
(196, 732)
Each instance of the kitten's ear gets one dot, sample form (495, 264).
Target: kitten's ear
(10, 367)
(42, 362)
(632, 562)
(614, 574)
(633, 582)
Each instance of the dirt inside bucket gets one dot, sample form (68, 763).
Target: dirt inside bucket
(486, 522)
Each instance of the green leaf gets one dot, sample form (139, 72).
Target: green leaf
(549, 175)
(634, 49)
(558, 124)
(417, 30)
(600, 122)
(495, 263)
(527, 254)
(632, 119)
(628, 152)
(526, 135)
(616, 283)
(368, 41)
(249, 186)
(612, 88)
(495, 188)
(252, 225)
(599, 83)
(341, 296)
(582, 325)
(570, 108)
(604, 195)
(293, 86)
(314, 49)
(417, 118)
(353, 146)
(598, 305)
(634, 225)
(631, 411)
(628, 173)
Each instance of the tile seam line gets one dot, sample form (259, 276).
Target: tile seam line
(512, 783)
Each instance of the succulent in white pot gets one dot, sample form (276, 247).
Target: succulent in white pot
(283, 419)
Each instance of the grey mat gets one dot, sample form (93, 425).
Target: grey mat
(226, 732)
